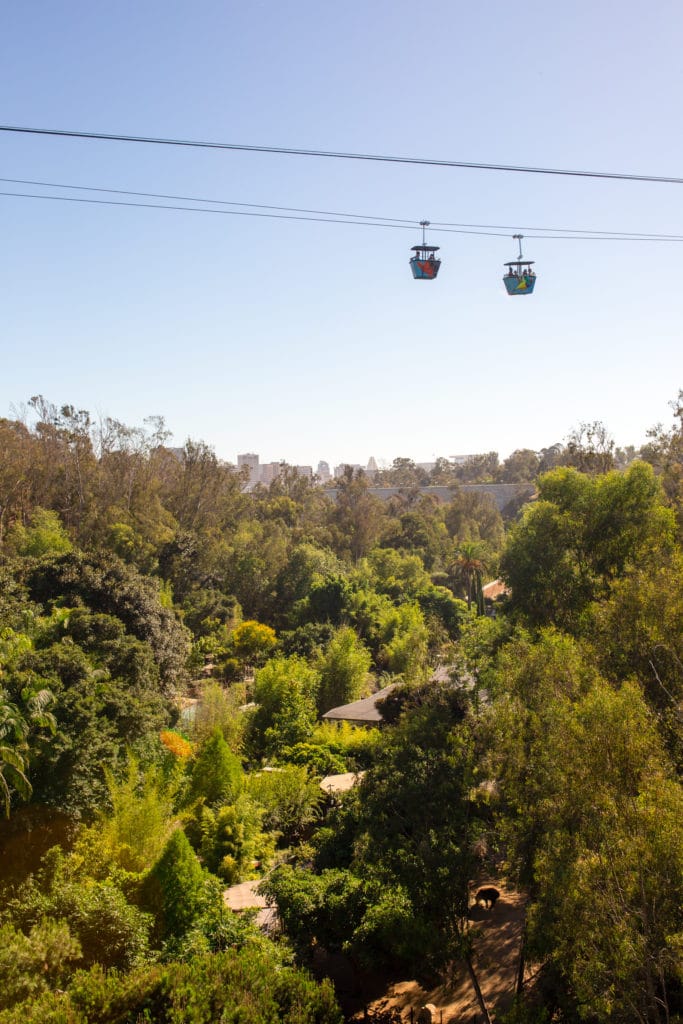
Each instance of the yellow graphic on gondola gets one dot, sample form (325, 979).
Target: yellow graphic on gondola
(523, 284)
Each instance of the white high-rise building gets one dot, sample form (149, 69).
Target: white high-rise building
(251, 460)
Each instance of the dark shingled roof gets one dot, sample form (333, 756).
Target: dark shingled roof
(363, 712)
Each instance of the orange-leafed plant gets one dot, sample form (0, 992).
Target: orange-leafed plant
(175, 743)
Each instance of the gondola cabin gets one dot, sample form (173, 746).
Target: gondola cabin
(519, 278)
(424, 264)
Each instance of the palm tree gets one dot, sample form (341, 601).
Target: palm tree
(469, 566)
(13, 732)
(15, 727)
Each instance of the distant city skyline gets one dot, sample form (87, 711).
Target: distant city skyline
(262, 327)
(266, 472)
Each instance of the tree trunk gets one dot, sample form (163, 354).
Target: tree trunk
(520, 967)
(477, 989)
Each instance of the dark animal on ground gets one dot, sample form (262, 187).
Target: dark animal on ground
(488, 895)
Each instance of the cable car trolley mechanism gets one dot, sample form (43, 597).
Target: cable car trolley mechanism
(424, 264)
(519, 278)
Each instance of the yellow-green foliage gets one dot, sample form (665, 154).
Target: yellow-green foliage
(44, 535)
(246, 985)
(405, 636)
(218, 708)
(252, 641)
(344, 669)
(133, 835)
(289, 797)
(350, 741)
(233, 843)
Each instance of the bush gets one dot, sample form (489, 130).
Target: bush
(289, 797)
(217, 773)
(175, 888)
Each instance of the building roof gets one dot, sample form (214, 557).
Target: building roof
(340, 783)
(244, 896)
(494, 590)
(363, 712)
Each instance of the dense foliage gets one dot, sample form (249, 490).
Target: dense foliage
(169, 642)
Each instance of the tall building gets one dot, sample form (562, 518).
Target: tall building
(323, 472)
(251, 460)
(340, 470)
(270, 471)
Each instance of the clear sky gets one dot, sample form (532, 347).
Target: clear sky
(309, 341)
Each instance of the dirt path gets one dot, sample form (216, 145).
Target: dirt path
(497, 940)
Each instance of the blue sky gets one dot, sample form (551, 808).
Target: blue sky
(309, 341)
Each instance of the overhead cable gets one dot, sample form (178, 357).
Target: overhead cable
(292, 151)
(331, 216)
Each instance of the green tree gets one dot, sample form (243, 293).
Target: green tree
(141, 819)
(638, 631)
(664, 451)
(469, 567)
(45, 535)
(343, 670)
(307, 563)
(473, 516)
(35, 962)
(610, 870)
(174, 890)
(231, 838)
(252, 642)
(397, 573)
(109, 930)
(590, 449)
(16, 725)
(403, 473)
(582, 786)
(219, 708)
(216, 773)
(285, 692)
(522, 466)
(321, 909)
(249, 985)
(357, 516)
(580, 535)
(13, 732)
(104, 702)
(413, 828)
(290, 798)
(405, 641)
(478, 469)
(106, 585)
